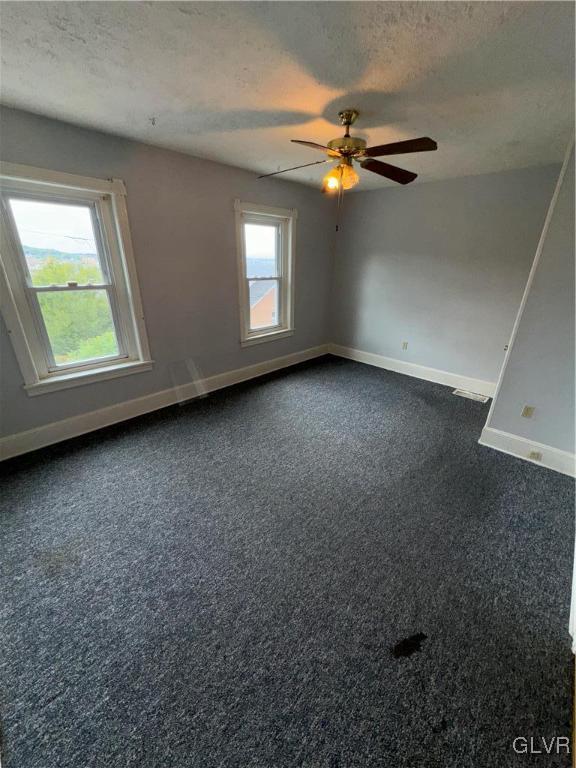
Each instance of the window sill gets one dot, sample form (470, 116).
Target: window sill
(268, 336)
(67, 380)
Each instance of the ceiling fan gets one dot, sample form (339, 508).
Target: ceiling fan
(349, 149)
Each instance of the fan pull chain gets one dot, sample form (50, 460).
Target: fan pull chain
(339, 203)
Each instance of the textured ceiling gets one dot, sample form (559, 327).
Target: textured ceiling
(492, 82)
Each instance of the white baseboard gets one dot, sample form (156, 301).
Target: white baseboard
(31, 440)
(552, 458)
(454, 380)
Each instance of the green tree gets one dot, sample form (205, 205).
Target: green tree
(98, 346)
(57, 271)
(79, 323)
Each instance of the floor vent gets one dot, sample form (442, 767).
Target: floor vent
(471, 395)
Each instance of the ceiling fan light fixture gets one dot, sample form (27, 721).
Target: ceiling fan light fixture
(332, 180)
(343, 176)
(349, 176)
(347, 149)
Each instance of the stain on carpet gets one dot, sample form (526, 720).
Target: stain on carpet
(409, 645)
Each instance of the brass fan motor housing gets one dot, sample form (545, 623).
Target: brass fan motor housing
(348, 145)
(348, 116)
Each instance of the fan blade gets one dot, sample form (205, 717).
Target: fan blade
(424, 144)
(321, 147)
(295, 168)
(312, 144)
(390, 171)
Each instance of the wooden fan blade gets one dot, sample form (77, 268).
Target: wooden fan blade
(389, 171)
(312, 144)
(321, 147)
(424, 144)
(294, 168)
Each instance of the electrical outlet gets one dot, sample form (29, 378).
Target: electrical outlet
(535, 456)
(404, 345)
(528, 411)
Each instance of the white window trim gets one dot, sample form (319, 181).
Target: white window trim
(287, 217)
(18, 316)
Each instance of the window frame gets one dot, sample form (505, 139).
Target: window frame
(285, 220)
(107, 202)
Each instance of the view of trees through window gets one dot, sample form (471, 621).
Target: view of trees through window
(59, 246)
(79, 323)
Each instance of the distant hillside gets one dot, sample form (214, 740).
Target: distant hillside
(39, 254)
(260, 267)
(36, 257)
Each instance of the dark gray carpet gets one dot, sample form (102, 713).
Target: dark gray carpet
(235, 583)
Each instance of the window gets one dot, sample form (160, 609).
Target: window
(71, 302)
(265, 256)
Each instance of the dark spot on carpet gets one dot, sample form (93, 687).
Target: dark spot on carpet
(221, 584)
(409, 645)
(441, 726)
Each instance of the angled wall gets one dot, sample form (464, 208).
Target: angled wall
(539, 367)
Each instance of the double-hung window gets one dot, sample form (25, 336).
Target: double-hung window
(266, 267)
(70, 300)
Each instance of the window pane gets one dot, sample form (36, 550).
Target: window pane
(263, 303)
(79, 325)
(261, 250)
(58, 242)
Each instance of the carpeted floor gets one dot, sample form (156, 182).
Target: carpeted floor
(236, 583)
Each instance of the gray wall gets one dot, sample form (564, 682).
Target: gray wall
(182, 222)
(441, 265)
(540, 366)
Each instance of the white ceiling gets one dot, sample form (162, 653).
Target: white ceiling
(492, 82)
